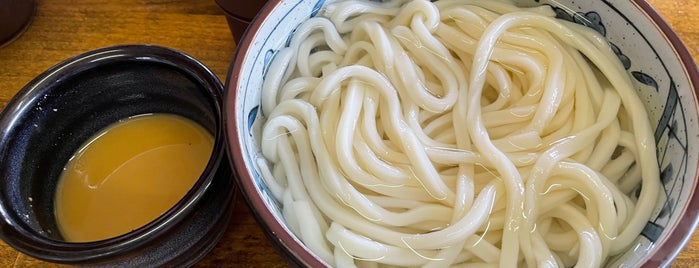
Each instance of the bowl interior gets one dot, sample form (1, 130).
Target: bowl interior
(50, 119)
(662, 71)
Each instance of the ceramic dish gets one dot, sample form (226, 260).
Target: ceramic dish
(53, 115)
(664, 75)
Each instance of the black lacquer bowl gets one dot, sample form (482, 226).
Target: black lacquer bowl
(46, 122)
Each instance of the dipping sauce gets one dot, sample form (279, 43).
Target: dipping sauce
(129, 174)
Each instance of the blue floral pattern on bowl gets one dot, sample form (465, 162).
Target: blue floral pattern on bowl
(659, 78)
(659, 87)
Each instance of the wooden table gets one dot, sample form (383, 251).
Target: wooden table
(63, 28)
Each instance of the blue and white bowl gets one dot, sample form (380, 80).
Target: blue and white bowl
(663, 71)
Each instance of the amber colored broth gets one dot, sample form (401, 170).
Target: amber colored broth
(129, 174)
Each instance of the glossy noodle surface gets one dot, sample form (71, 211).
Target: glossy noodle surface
(447, 133)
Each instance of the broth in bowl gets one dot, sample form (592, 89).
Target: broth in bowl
(129, 174)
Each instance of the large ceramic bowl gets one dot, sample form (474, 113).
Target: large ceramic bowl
(664, 75)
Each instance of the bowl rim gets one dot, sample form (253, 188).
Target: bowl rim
(293, 249)
(665, 252)
(24, 239)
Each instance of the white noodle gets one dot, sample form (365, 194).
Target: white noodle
(465, 133)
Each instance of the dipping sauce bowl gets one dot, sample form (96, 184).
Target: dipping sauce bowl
(58, 111)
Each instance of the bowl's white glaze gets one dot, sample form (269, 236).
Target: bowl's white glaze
(664, 74)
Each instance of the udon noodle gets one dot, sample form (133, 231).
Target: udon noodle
(457, 132)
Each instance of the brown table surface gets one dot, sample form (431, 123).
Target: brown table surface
(63, 28)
